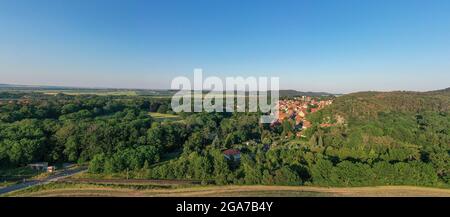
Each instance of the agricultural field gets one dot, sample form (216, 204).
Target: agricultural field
(130, 189)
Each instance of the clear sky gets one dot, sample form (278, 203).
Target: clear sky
(336, 46)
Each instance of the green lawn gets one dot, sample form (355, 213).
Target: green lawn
(164, 117)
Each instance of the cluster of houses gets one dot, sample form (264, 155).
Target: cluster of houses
(297, 108)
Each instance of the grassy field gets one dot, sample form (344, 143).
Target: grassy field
(164, 117)
(130, 189)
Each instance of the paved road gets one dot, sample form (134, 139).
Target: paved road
(51, 178)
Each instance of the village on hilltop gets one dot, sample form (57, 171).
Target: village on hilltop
(296, 109)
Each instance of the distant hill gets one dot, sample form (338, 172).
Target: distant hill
(388, 132)
(6, 85)
(446, 90)
(33, 87)
(291, 93)
(52, 87)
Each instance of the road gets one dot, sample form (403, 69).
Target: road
(52, 178)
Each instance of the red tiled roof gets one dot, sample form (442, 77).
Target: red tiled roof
(326, 125)
(298, 119)
(231, 152)
(306, 123)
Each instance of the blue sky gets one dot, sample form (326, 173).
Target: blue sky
(337, 46)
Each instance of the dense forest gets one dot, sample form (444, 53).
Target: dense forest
(372, 138)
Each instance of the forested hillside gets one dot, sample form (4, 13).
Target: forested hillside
(397, 136)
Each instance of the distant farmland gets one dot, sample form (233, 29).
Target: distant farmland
(87, 92)
(53, 90)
